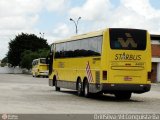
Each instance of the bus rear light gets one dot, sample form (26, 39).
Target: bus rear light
(104, 75)
(149, 75)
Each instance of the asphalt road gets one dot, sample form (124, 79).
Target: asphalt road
(27, 95)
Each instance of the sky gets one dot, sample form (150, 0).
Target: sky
(51, 17)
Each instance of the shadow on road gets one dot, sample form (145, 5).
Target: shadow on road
(101, 97)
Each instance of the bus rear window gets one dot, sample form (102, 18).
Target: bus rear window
(43, 61)
(127, 39)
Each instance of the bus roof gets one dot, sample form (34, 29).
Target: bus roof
(87, 35)
(38, 59)
(81, 36)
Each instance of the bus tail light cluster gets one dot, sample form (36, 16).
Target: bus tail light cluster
(149, 75)
(104, 75)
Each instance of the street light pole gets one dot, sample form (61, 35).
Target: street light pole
(76, 23)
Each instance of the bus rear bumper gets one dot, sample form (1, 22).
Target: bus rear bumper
(43, 73)
(135, 88)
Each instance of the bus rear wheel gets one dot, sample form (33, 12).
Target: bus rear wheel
(79, 88)
(36, 74)
(56, 87)
(123, 95)
(86, 89)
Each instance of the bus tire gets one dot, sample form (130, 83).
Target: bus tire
(86, 89)
(79, 88)
(123, 95)
(56, 88)
(36, 75)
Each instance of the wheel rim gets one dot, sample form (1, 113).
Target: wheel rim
(86, 89)
(79, 88)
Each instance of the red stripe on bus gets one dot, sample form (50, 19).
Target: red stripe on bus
(89, 73)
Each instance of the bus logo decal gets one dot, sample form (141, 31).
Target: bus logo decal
(129, 41)
(89, 73)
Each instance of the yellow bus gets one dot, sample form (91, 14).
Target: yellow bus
(114, 60)
(40, 68)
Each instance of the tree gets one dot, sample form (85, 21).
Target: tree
(4, 62)
(22, 43)
(28, 56)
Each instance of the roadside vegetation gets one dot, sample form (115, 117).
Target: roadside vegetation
(24, 48)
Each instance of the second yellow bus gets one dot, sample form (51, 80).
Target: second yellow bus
(39, 68)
